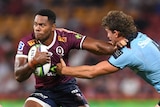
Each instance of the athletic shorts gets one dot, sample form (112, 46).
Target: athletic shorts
(67, 96)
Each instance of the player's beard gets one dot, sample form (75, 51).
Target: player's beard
(43, 38)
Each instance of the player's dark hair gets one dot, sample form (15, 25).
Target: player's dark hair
(49, 13)
(118, 20)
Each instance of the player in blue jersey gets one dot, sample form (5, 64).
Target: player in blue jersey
(141, 54)
(53, 90)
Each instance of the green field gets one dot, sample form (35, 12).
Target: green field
(106, 103)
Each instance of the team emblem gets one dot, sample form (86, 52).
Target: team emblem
(60, 51)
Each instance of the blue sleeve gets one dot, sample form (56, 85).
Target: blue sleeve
(121, 58)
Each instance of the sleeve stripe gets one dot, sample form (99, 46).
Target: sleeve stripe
(82, 41)
(114, 65)
(24, 56)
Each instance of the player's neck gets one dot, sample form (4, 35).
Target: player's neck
(49, 39)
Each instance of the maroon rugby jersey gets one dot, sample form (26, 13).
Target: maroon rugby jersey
(63, 41)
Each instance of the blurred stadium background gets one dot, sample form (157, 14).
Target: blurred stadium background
(83, 16)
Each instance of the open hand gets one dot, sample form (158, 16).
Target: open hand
(122, 43)
(60, 66)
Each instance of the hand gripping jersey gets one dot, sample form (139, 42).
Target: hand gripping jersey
(61, 45)
(143, 57)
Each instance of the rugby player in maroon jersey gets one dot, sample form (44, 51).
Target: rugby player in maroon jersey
(53, 90)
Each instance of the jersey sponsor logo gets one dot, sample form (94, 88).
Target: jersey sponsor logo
(62, 39)
(78, 36)
(117, 53)
(52, 71)
(60, 51)
(20, 46)
(31, 42)
(39, 95)
(143, 43)
(77, 93)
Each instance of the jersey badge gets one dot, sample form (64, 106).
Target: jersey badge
(20, 46)
(117, 53)
(62, 39)
(31, 42)
(78, 36)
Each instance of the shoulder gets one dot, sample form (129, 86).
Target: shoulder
(141, 40)
(124, 52)
(142, 35)
(28, 40)
(66, 32)
(122, 58)
(63, 30)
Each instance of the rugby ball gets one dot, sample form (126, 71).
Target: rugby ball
(41, 70)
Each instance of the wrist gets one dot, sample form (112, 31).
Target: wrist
(63, 70)
(32, 64)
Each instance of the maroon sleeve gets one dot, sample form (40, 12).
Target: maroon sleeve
(25, 44)
(74, 40)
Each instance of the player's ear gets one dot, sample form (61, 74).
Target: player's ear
(116, 33)
(53, 27)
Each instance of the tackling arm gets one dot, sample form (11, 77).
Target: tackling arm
(86, 71)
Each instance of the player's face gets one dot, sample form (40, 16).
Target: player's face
(112, 36)
(42, 28)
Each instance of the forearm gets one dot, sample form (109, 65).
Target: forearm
(98, 47)
(22, 73)
(105, 48)
(85, 71)
(79, 71)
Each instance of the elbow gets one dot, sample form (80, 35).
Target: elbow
(90, 76)
(86, 76)
(91, 73)
(17, 77)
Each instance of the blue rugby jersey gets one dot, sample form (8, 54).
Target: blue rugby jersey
(143, 57)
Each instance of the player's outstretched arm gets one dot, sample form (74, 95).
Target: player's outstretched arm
(100, 47)
(86, 71)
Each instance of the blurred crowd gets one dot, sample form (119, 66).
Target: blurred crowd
(83, 16)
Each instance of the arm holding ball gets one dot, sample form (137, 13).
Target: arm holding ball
(24, 68)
